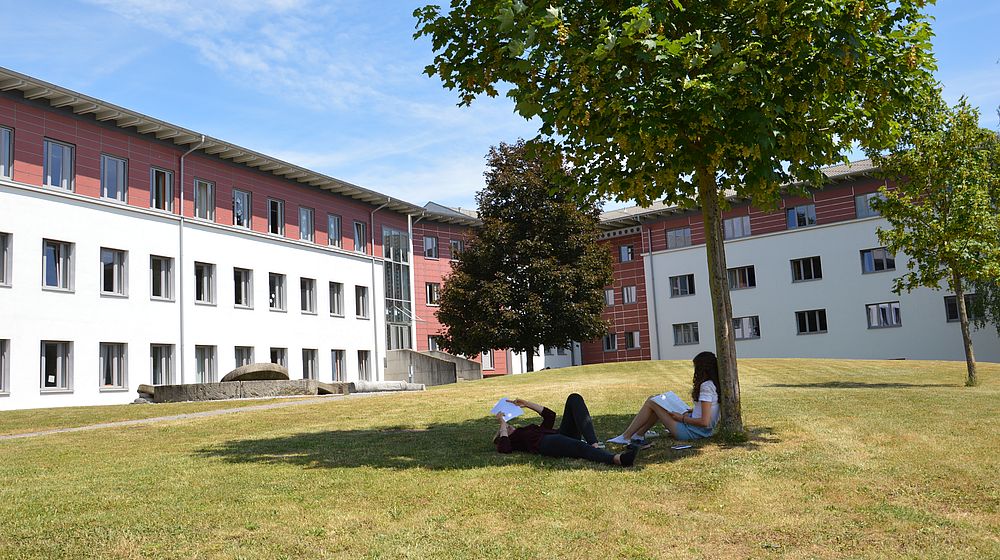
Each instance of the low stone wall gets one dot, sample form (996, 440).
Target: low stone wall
(427, 370)
(466, 370)
(245, 390)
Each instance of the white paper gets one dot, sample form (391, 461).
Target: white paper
(509, 409)
(671, 402)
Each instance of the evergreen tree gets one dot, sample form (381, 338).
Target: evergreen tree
(534, 274)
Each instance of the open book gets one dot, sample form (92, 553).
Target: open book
(670, 402)
(509, 409)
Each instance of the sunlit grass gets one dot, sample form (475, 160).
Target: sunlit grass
(847, 459)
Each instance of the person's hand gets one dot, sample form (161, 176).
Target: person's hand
(675, 416)
(518, 402)
(500, 418)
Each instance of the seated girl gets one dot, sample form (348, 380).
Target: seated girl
(574, 438)
(698, 422)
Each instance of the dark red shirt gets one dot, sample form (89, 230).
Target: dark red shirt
(527, 438)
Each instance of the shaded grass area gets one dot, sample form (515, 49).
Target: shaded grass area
(846, 459)
(38, 420)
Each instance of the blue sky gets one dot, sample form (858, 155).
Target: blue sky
(337, 85)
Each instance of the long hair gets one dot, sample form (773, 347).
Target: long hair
(706, 368)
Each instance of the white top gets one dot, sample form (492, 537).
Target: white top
(708, 393)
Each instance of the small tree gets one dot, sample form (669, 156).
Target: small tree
(685, 101)
(943, 207)
(534, 273)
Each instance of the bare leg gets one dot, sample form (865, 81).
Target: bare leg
(642, 421)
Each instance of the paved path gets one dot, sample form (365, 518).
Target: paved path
(204, 414)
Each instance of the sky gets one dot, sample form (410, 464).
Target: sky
(337, 86)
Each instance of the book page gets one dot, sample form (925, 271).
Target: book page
(509, 409)
(670, 402)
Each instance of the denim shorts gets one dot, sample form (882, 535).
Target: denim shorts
(687, 432)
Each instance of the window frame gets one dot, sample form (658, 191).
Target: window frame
(609, 297)
(122, 171)
(630, 295)
(455, 247)
(166, 360)
(364, 365)
(338, 364)
(887, 257)
(204, 204)
(675, 285)
(63, 373)
(815, 264)
(206, 283)
(277, 293)
(969, 298)
(820, 320)
(117, 353)
(361, 303)
(278, 356)
(276, 227)
(431, 247)
(68, 167)
(307, 232)
(626, 253)
(166, 278)
(433, 292)
(206, 363)
(310, 357)
(334, 225)
(432, 343)
(6, 152)
(247, 197)
(6, 259)
(4, 366)
(242, 286)
(894, 318)
(168, 194)
(119, 264)
(610, 342)
(336, 293)
(801, 213)
(243, 356)
(744, 322)
(307, 295)
(729, 228)
(865, 201)
(360, 229)
(744, 277)
(64, 268)
(632, 340)
(672, 233)
(686, 334)
(487, 360)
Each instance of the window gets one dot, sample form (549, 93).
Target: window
(114, 175)
(204, 358)
(360, 245)
(5, 259)
(680, 237)
(877, 260)
(883, 315)
(742, 277)
(486, 357)
(276, 216)
(610, 342)
(161, 189)
(279, 356)
(685, 333)
(204, 200)
(336, 299)
(241, 209)
(337, 363)
(951, 308)
(457, 247)
(114, 272)
(58, 165)
(364, 367)
(433, 293)
(361, 301)
(431, 247)
(57, 265)
(432, 344)
(4, 365)
(628, 295)
(243, 288)
(6, 152)
(243, 355)
(625, 253)
(631, 340)
(333, 230)
(863, 205)
(808, 268)
(161, 277)
(307, 295)
(682, 285)
(801, 216)
(204, 283)
(161, 364)
(746, 328)
(276, 292)
(812, 321)
(307, 224)
(114, 365)
(310, 363)
(57, 366)
(737, 227)
(609, 297)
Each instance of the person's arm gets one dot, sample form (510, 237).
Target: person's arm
(502, 441)
(706, 416)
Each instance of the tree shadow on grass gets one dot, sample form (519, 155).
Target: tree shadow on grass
(858, 385)
(447, 446)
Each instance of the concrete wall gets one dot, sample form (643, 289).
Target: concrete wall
(427, 370)
(467, 370)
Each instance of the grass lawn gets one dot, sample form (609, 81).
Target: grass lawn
(848, 459)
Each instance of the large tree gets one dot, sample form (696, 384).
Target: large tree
(942, 208)
(534, 273)
(686, 101)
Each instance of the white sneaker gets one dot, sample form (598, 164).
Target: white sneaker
(620, 440)
(649, 434)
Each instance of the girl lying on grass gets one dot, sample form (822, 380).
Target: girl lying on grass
(696, 423)
(574, 438)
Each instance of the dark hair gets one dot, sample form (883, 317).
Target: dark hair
(706, 368)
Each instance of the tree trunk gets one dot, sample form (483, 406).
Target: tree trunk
(963, 318)
(531, 359)
(731, 423)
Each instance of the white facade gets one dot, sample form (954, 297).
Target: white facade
(843, 292)
(85, 318)
(547, 358)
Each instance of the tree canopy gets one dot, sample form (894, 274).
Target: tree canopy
(685, 101)
(942, 208)
(534, 272)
